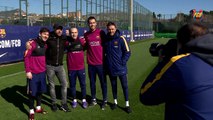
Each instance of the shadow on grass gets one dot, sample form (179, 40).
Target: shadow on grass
(79, 97)
(48, 101)
(118, 107)
(17, 95)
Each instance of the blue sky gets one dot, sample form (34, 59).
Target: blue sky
(176, 6)
(157, 6)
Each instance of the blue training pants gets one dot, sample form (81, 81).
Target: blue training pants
(93, 71)
(124, 84)
(73, 74)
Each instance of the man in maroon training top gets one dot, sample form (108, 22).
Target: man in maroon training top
(35, 67)
(75, 65)
(94, 39)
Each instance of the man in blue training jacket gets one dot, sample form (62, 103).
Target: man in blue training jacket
(117, 53)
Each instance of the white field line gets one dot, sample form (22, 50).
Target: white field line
(17, 73)
(11, 75)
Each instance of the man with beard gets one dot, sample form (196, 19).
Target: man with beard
(117, 53)
(94, 39)
(54, 59)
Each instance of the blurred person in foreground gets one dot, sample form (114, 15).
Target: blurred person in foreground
(35, 67)
(185, 83)
(117, 53)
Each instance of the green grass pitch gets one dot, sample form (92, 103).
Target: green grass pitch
(14, 102)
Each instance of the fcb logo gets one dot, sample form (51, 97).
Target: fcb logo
(97, 37)
(2, 33)
(116, 43)
(197, 14)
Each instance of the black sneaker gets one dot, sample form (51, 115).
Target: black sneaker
(114, 106)
(128, 110)
(103, 105)
(93, 103)
(65, 108)
(54, 107)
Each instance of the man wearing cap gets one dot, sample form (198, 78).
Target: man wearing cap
(54, 60)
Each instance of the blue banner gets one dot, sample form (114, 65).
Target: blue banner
(13, 39)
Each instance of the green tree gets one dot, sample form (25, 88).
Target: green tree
(159, 16)
(154, 15)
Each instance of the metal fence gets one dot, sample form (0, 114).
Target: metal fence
(75, 13)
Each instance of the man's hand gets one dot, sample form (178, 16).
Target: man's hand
(29, 75)
(28, 44)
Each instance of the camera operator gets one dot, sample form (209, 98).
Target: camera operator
(185, 83)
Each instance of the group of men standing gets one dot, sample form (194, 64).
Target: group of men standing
(107, 54)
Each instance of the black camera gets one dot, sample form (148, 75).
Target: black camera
(164, 51)
(156, 49)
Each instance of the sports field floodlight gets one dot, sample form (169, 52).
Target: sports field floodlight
(45, 5)
(26, 8)
(131, 21)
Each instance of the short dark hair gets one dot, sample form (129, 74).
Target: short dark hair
(111, 23)
(191, 31)
(57, 26)
(44, 29)
(90, 18)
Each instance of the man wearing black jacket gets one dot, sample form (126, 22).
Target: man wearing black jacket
(54, 59)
